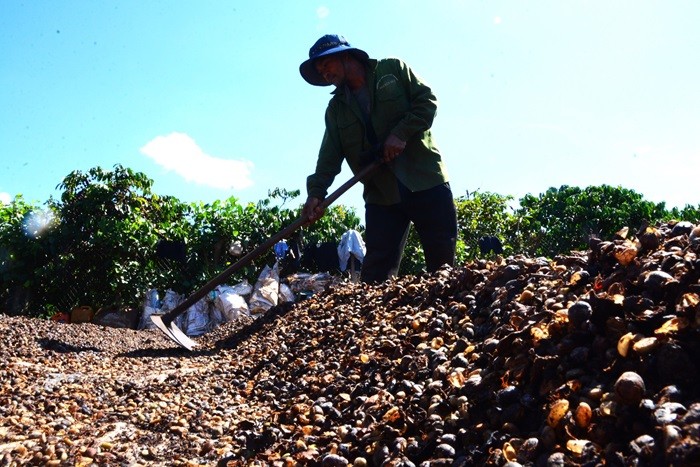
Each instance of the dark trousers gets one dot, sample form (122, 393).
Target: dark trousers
(434, 217)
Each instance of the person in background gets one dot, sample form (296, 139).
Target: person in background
(382, 107)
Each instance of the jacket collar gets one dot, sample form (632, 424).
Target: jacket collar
(371, 68)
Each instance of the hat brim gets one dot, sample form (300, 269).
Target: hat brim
(308, 69)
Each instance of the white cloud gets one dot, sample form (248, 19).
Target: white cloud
(322, 12)
(5, 198)
(179, 153)
(497, 20)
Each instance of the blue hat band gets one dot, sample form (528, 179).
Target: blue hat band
(320, 48)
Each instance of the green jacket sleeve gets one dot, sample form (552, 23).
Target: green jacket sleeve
(422, 101)
(330, 160)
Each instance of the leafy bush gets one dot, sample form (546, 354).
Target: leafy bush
(102, 248)
(562, 220)
(96, 245)
(217, 226)
(109, 225)
(24, 248)
(482, 215)
(478, 215)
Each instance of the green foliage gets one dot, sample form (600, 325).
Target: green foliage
(336, 221)
(96, 244)
(480, 215)
(688, 213)
(217, 226)
(15, 247)
(109, 225)
(213, 228)
(563, 219)
(413, 259)
(24, 247)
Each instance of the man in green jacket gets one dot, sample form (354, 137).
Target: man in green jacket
(382, 104)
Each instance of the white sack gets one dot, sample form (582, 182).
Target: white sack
(151, 305)
(266, 290)
(229, 306)
(197, 319)
(286, 295)
(351, 243)
(170, 301)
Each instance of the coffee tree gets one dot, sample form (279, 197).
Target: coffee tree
(109, 224)
(563, 219)
(99, 243)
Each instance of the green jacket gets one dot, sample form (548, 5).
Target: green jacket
(400, 103)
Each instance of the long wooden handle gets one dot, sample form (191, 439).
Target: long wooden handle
(263, 247)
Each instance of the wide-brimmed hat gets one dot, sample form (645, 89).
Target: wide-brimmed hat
(327, 45)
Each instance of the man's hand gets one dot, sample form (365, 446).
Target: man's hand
(393, 146)
(312, 210)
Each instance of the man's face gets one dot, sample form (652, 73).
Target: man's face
(332, 69)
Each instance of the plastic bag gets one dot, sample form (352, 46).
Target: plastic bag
(281, 249)
(152, 299)
(266, 291)
(243, 288)
(197, 319)
(229, 306)
(286, 295)
(151, 306)
(170, 301)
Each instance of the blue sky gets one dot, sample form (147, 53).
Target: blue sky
(205, 96)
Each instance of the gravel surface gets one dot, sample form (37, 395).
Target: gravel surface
(589, 359)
